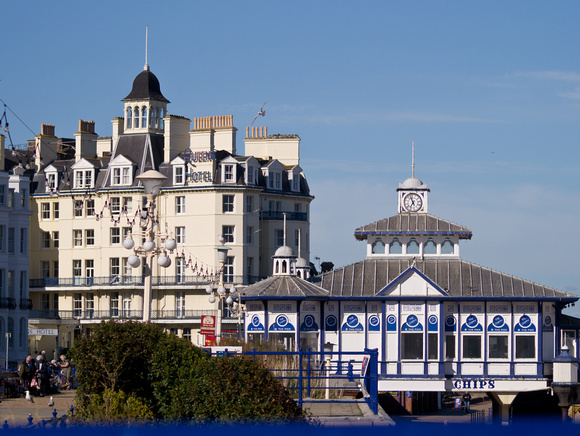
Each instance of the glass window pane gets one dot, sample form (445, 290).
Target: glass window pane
(472, 347)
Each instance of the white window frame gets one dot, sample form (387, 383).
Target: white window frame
(228, 233)
(179, 174)
(180, 204)
(180, 235)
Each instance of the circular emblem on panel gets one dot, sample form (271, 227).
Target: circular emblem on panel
(391, 319)
(548, 321)
(308, 320)
(331, 321)
(525, 321)
(450, 321)
(352, 321)
(498, 321)
(256, 320)
(374, 321)
(412, 320)
(282, 320)
(432, 320)
(471, 321)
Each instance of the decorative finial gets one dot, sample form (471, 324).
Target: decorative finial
(146, 67)
(413, 162)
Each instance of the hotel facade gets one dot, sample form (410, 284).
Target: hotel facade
(86, 201)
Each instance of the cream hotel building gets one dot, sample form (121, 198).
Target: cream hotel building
(86, 200)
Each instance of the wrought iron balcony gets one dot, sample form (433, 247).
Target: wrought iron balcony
(277, 215)
(86, 314)
(7, 303)
(25, 303)
(190, 315)
(115, 281)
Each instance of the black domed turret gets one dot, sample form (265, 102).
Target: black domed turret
(146, 87)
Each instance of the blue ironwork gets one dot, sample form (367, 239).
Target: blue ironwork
(315, 369)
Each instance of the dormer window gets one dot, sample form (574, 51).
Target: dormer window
(229, 170)
(296, 183)
(51, 181)
(275, 180)
(83, 179)
(121, 176)
(179, 174)
(229, 173)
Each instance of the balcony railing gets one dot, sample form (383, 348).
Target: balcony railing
(277, 215)
(86, 314)
(25, 303)
(121, 314)
(136, 281)
(7, 303)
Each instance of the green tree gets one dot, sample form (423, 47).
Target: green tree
(135, 371)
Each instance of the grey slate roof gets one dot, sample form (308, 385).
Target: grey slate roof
(456, 277)
(412, 224)
(284, 286)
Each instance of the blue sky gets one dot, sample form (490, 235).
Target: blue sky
(489, 92)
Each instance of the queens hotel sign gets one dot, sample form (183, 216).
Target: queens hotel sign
(192, 158)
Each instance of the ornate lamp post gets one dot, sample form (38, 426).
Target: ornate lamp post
(221, 292)
(152, 181)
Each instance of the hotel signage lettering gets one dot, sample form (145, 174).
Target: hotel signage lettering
(192, 158)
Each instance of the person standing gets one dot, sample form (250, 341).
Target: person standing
(42, 375)
(66, 372)
(26, 371)
(467, 402)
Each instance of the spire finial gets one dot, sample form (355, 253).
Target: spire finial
(284, 228)
(146, 67)
(413, 161)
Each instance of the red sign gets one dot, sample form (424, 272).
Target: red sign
(207, 325)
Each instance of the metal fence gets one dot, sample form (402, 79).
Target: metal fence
(314, 376)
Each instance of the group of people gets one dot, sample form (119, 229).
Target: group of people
(42, 376)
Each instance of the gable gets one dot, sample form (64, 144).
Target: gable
(121, 161)
(82, 164)
(412, 283)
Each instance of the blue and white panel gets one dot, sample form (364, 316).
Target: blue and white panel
(310, 316)
(282, 317)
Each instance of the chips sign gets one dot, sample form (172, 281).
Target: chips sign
(207, 325)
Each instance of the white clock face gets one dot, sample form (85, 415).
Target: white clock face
(412, 202)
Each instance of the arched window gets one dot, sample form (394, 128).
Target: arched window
(129, 118)
(144, 117)
(395, 247)
(156, 117)
(23, 334)
(413, 247)
(276, 266)
(151, 121)
(447, 247)
(430, 247)
(136, 117)
(162, 114)
(284, 267)
(11, 330)
(378, 247)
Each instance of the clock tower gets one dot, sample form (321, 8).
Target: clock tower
(412, 193)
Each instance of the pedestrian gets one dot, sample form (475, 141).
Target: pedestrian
(467, 402)
(65, 372)
(26, 371)
(42, 375)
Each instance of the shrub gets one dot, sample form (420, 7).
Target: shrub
(134, 371)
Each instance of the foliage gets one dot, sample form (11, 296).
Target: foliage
(233, 389)
(116, 357)
(135, 371)
(112, 407)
